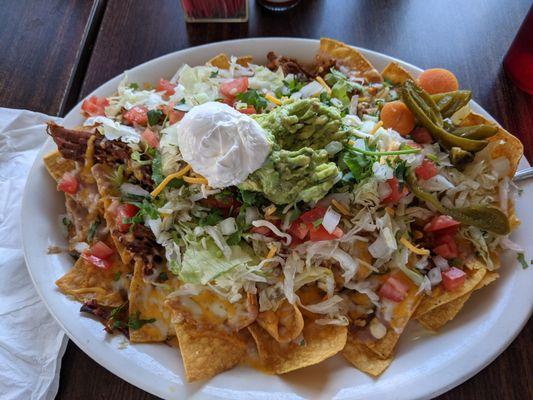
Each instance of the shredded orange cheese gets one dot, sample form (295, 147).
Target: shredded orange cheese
(412, 248)
(200, 179)
(271, 209)
(324, 84)
(169, 178)
(340, 207)
(389, 211)
(376, 127)
(272, 99)
(271, 252)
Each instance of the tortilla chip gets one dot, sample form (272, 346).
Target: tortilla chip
(57, 165)
(347, 56)
(86, 282)
(440, 296)
(401, 315)
(363, 358)
(507, 146)
(222, 61)
(396, 74)
(438, 317)
(206, 353)
(320, 343)
(147, 301)
(284, 324)
(103, 176)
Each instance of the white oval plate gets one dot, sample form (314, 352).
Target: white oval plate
(425, 365)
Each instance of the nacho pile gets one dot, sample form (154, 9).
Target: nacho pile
(281, 214)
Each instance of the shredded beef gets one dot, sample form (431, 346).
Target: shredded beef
(118, 321)
(288, 65)
(72, 145)
(142, 243)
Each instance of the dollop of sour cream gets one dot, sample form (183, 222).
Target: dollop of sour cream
(222, 144)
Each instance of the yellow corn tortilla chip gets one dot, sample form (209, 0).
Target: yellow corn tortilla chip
(435, 319)
(347, 56)
(363, 358)
(320, 343)
(284, 324)
(508, 146)
(207, 353)
(440, 296)
(401, 315)
(147, 300)
(57, 165)
(86, 282)
(222, 61)
(396, 74)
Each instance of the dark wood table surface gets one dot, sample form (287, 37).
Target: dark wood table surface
(53, 53)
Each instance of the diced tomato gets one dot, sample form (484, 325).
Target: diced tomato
(150, 138)
(136, 115)
(298, 229)
(396, 194)
(446, 247)
(167, 86)
(97, 262)
(426, 170)
(421, 135)
(393, 289)
(320, 233)
(313, 215)
(453, 278)
(68, 183)
(262, 230)
(125, 211)
(441, 222)
(232, 88)
(248, 110)
(94, 106)
(101, 250)
(175, 116)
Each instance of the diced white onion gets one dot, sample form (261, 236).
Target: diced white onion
(331, 220)
(503, 192)
(80, 247)
(261, 222)
(354, 101)
(441, 263)
(377, 329)
(251, 214)
(135, 190)
(333, 147)
(228, 226)
(384, 190)
(382, 172)
(311, 89)
(434, 276)
(501, 165)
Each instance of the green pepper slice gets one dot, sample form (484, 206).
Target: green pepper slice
(476, 132)
(448, 103)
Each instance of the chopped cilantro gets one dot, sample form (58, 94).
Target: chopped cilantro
(522, 260)
(154, 116)
(213, 218)
(117, 275)
(253, 98)
(360, 165)
(234, 239)
(163, 276)
(250, 198)
(213, 74)
(135, 322)
(65, 221)
(92, 229)
(157, 169)
(400, 171)
(317, 223)
(133, 86)
(146, 208)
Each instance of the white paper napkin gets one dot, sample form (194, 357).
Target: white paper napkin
(31, 342)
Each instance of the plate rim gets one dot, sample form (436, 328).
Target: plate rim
(110, 363)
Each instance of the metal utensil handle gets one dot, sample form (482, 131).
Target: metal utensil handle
(523, 174)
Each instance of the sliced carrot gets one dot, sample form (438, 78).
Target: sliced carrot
(438, 80)
(396, 115)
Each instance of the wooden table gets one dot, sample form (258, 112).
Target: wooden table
(53, 53)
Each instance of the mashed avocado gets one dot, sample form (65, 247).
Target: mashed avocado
(298, 167)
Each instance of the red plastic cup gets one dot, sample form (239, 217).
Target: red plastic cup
(518, 61)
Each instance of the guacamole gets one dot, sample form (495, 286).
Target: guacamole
(298, 167)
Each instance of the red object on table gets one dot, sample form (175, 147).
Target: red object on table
(518, 62)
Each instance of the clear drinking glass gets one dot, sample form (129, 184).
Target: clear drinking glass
(518, 61)
(215, 10)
